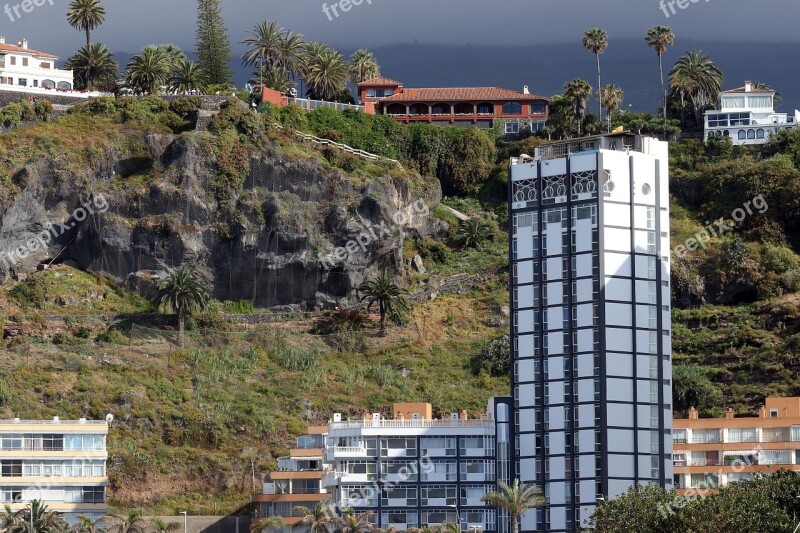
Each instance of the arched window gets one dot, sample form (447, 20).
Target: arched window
(512, 108)
(726, 133)
(751, 134)
(485, 108)
(742, 135)
(759, 134)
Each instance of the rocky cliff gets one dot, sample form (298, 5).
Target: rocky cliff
(291, 232)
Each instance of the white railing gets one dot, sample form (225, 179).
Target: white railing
(307, 103)
(400, 424)
(45, 422)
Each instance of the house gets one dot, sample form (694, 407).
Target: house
(62, 463)
(21, 66)
(713, 452)
(747, 116)
(481, 107)
(590, 322)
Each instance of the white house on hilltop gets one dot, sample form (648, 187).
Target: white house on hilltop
(28, 70)
(747, 115)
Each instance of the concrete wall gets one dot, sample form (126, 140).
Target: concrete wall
(208, 524)
(7, 97)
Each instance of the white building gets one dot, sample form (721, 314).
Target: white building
(61, 463)
(747, 115)
(28, 70)
(590, 329)
(414, 470)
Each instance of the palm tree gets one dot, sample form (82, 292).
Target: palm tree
(660, 37)
(86, 15)
(472, 233)
(325, 72)
(363, 66)
(131, 523)
(681, 86)
(595, 41)
(149, 70)
(578, 91)
(390, 297)
(350, 522)
(91, 65)
(188, 77)
(290, 49)
(612, 97)
(702, 78)
(173, 55)
(37, 515)
(273, 522)
(264, 44)
(87, 525)
(515, 499)
(761, 86)
(182, 292)
(161, 527)
(273, 77)
(319, 519)
(10, 520)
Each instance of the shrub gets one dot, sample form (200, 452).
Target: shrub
(11, 115)
(5, 392)
(31, 292)
(432, 250)
(103, 105)
(791, 280)
(769, 286)
(83, 333)
(63, 339)
(495, 358)
(296, 358)
(241, 307)
(341, 321)
(43, 108)
(111, 336)
(779, 259)
(383, 375)
(185, 106)
(173, 121)
(212, 317)
(27, 110)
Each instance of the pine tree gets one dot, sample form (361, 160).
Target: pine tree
(213, 43)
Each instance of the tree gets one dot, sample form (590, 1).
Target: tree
(612, 97)
(213, 45)
(578, 91)
(87, 525)
(92, 66)
(595, 41)
(648, 509)
(325, 72)
(182, 292)
(363, 66)
(130, 523)
(701, 78)
(264, 44)
(149, 70)
(319, 519)
(86, 15)
(515, 499)
(472, 233)
(10, 520)
(659, 37)
(161, 527)
(273, 522)
(39, 515)
(561, 119)
(390, 297)
(692, 388)
(188, 77)
(273, 77)
(350, 522)
(172, 54)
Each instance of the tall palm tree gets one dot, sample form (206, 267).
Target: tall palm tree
(162, 527)
(702, 78)
(92, 65)
(681, 86)
(472, 233)
(273, 77)
(10, 520)
(659, 38)
(130, 523)
(188, 77)
(320, 519)
(290, 49)
(264, 43)
(326, 73)
(595, 40)
(87, 525)
(40, 517)
(515, 499)
(390, 297)
(350, 522)
(363, 66)
(612, 97)
(578, 91)
(172, 54)
(181, 292)
(86, 15)
(149, 70)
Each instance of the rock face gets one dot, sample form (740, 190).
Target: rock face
(292, 234)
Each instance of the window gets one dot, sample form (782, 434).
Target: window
(512, 127)
(438, 444)
(651, 242)
(742, 135)
(441, 471)
(759, 133)
(512, 108)
(24, 61)
(93, 495)
(773, 413)
(91, 443)
(11, 442)
(538, 108)
(44, 64)
(399, 496)
(760, 101)
(11, 468)
(379, 93)
(23, 82)
(438, 495)
(53, 443)
(13, 60)
(751, 134)
(736, 102)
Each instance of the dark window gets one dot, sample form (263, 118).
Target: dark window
(751, 134)
(742, 135)
(11, 469)
(538, 108)
(759, 134)
(23, 82)
(94, 495)
(53, 443)
(512, 108)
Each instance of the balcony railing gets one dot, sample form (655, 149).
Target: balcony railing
(399, 424)
(704, 462)
(307, 103)
(50, 422)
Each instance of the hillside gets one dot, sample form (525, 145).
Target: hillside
(260, 215)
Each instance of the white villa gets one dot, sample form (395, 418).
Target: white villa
(27, 70)
(747, 115)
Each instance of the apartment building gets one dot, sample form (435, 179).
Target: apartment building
(590, 324)
(25, 69)
(413, 470)
(297, 482)
(712, 452)
(59, 462)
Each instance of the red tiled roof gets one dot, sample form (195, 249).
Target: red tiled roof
(451, 94)
(21, 50)
(742, 90)
(377, 82)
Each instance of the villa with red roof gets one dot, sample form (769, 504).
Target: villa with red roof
(481, 107)
(29, 70)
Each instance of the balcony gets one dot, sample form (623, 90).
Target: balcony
(331, 478)
(309, 104)
(345, 452)
(404, 424)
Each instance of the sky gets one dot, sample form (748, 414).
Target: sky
(131, 24)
